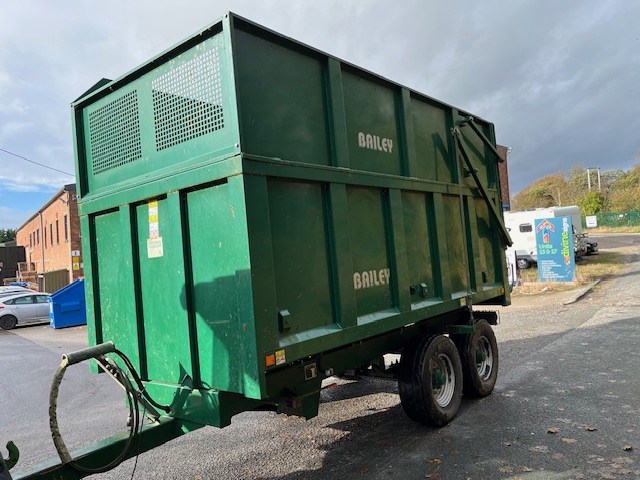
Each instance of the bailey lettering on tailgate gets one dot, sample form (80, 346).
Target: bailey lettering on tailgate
(371, 278)
(374, 142)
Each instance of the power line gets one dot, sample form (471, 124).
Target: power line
(36, 163)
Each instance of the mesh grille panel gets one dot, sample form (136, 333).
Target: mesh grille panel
(187, 101)
(115, 133)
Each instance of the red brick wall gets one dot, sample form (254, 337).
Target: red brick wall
(45, 241)
(504, 176)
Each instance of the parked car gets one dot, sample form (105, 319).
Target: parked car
(592, 246)
(22, 308)
(10, 291)
(11, 288)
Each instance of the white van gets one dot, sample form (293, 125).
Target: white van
(520, 225)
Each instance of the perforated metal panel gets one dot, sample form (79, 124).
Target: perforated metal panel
(115, 133)
(187, 101)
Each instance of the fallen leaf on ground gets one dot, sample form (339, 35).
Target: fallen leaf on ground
(361, 470)
(590, 429)
(553, 430)
(506, 469)
(569, 440)
(526, 469)
(433, 476)
(627, 448)
(436, 461)
(540, 449)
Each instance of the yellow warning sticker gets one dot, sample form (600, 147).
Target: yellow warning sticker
(280, 357)
(154, 228)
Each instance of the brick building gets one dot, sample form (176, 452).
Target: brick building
(51, 239)
(504, 177)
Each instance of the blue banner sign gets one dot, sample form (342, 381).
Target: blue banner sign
(554, 239)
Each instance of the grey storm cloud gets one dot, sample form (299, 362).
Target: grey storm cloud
(560, 80)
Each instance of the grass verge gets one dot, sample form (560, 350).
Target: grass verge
(634, 229)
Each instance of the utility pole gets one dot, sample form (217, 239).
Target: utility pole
(589, 178)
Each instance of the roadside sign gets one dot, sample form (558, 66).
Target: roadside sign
(554, 239)
(592, 221)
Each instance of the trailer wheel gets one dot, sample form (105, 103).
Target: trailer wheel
(430, 380)
(479, 356)
(8, 322)
(523, 263)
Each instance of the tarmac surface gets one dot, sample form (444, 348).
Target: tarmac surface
(566, 406)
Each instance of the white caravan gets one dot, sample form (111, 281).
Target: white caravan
(520, 225)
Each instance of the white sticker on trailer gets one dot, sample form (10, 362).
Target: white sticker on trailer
(154, 247)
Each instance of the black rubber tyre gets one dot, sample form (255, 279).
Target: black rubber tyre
(522, 263)
(479, 356)
(430, 380)
(8, 322)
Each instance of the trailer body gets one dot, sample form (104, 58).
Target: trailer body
(258, 215)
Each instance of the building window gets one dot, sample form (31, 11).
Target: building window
(57, 232)
(66, 229)
(526, 227)
(51, 234)
(38, 236)
(30, 240)
(44, 236)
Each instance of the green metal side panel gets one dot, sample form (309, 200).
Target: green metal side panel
(371, 261)
(298, 217)
(177, 114)
(372, 124)
(431, 126)
(117, 319)
(419, 226)
(487, 238)
(162, 279)
(455, 244)
(283, 110)
(221, 295)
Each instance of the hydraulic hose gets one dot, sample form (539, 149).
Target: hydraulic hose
(61, 448)
(132, 394)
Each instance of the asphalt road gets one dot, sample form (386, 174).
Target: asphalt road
(566, 406)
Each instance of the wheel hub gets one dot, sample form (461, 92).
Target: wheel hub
(484, 358)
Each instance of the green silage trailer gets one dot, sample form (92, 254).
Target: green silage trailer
(258, 216)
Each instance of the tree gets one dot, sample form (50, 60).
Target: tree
(577, 184)
(7, 235)
(548, 191)
(625, 199)
(590, 203)
(617, 191)
(630, 179)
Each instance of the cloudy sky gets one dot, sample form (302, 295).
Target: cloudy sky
(559, 79)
